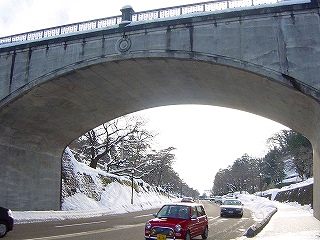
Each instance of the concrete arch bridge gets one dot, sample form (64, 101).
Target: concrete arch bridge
(56, 84)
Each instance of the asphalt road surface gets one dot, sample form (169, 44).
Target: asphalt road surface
(124, 226)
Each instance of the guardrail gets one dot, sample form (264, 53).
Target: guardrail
(139, 16)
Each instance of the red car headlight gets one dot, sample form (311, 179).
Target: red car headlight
(148, 225)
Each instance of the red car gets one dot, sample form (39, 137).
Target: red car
(178, 221)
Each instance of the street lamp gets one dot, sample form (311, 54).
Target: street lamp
(132, 172)
(244, 186)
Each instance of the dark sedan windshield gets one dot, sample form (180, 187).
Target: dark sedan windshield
(174, 211)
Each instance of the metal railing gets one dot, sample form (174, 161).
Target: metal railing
(199, 7)
(139, 16)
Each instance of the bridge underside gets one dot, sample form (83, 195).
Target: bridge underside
(37, 126)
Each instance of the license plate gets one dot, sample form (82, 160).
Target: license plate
(230, 212)
(161, 237)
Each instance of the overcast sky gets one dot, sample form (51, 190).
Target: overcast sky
(207, 138)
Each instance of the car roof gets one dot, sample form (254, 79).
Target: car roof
(183, 204)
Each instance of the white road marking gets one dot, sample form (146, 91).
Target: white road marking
(212, 218)
(143, 216)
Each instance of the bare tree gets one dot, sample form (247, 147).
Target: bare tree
(111, 143)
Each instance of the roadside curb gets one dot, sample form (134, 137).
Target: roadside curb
(256, 228)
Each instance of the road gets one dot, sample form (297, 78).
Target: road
(124, 226)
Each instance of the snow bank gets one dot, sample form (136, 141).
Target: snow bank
(116, 198)
(108, 191)
(259, 206)
(87, 207)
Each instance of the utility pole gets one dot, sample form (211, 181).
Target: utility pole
(132, 172)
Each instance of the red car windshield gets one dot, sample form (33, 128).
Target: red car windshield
(174, 211)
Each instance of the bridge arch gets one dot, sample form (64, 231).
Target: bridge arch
(55, 90)
(152, 79)
(84, 96)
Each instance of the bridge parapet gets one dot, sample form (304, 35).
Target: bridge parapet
(149, 15)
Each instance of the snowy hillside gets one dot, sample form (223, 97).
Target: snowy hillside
(84, 188)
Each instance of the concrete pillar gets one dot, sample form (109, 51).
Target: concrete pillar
(127, 12)
(29, 180)
(316, 185)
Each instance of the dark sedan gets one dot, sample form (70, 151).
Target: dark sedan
(231, 207)
(6, 221)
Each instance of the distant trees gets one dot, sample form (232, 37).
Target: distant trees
(241, 176)
(123, 145)
(288, 150)
(272, 168)
(159, 167)
(294, 146)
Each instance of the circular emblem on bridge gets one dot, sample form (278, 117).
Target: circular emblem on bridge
(123, 44)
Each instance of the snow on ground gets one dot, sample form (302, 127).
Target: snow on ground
(117, 199)
(119, 203)
(115, 196)
(259, 206)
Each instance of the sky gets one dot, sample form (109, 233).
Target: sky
(206, 138)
